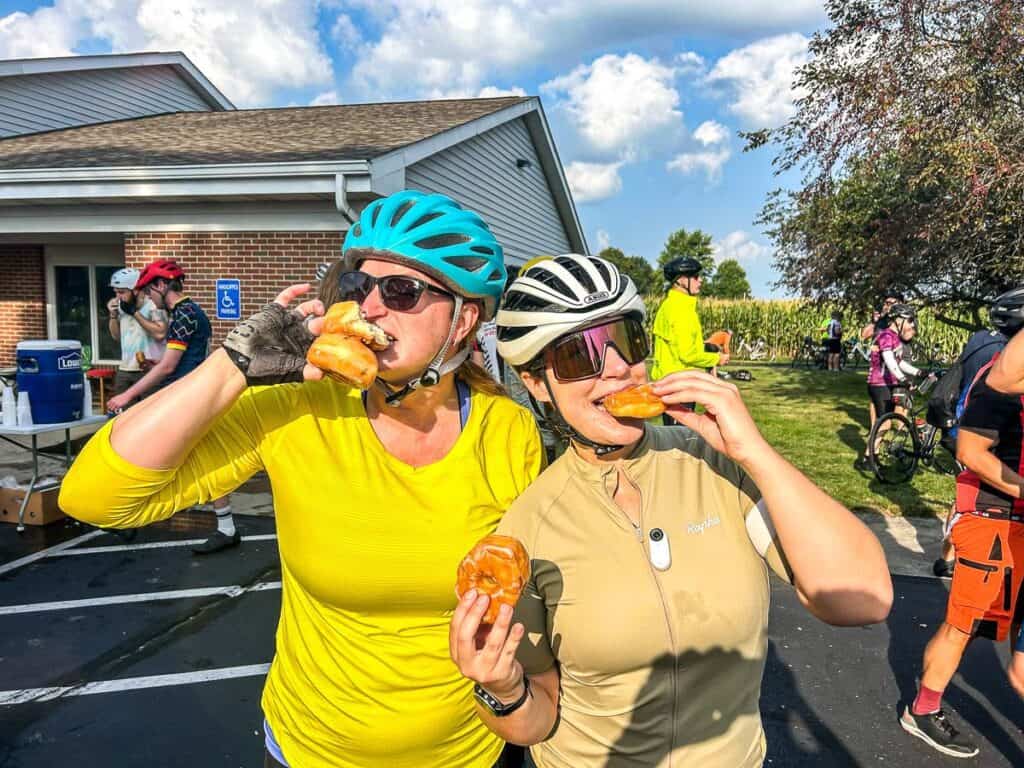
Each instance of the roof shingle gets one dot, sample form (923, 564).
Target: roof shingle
(344, 132)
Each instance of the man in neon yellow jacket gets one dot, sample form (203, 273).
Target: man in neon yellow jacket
(678, 337)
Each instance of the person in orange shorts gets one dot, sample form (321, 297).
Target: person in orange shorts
(988, 537)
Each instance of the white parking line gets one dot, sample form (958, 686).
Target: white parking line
(233, 590)
(26, 695)
(149, 545)
(49, 552)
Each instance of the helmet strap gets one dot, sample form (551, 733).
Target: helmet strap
(564, 429)
(438, 368)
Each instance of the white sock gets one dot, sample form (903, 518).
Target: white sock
(225, 523)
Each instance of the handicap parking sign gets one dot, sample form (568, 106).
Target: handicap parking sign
(229, 300)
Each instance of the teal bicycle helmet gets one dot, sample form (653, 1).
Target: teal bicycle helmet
(435, 235)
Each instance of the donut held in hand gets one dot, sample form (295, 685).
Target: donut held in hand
(497, 566)
(634, 403)
(344, 351)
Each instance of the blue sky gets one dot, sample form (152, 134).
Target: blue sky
(644, 97)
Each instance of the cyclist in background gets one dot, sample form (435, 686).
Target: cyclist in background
(678, 337)
(834, 339)
(988, 535)
(1005, 319)
(137, 324)
(889, 374)
(188, 344)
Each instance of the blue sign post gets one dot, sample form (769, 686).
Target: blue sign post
(229, 300)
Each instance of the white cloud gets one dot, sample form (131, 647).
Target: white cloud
(492, 91)
(689, 64)
(709, 132)
(759, 79)
(45, 32)
(248, 50)
(441, 44)
(618, 101)
(345, 32)
(710, 162)
(603, 240)
(326, 99)
(740, 246)
(593, 181)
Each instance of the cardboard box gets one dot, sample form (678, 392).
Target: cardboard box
(42, 506)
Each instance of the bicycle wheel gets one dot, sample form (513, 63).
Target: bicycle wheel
(894, 448)
(942, 460)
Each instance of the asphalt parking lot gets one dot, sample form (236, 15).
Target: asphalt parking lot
(141, 654)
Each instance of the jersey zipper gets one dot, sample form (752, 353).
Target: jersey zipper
(638, 528)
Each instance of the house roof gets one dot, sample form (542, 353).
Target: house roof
(175, 59)
(344, 132)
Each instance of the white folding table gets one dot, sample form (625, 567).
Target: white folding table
(6, 433)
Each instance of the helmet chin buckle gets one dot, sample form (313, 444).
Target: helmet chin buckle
(429, 378)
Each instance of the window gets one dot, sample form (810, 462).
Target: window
(78, 280)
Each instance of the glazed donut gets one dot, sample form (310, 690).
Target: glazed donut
(497, 566)
(634, 403)
(344, 351)
(346, 319)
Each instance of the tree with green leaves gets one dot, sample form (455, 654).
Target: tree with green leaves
(640, 271)
(910, 139)
(695, 244)
(728, 282)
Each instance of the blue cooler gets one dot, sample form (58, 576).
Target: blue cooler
(51, 373)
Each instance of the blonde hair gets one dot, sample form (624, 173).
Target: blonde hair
(471, 373)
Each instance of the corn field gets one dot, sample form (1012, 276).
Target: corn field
(784, 324)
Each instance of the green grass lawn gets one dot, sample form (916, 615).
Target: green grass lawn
(819, 421)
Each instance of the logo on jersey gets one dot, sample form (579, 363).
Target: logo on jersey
(711, 522)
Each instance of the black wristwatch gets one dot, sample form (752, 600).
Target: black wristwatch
(495, 707)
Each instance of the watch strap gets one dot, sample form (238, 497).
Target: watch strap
(496, 707)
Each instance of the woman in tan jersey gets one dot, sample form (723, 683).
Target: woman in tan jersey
(641, 636)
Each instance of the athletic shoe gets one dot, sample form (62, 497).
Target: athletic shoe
(943, 568)
(937, 732)
(217, 542)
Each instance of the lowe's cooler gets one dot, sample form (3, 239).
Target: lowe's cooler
(51, 373)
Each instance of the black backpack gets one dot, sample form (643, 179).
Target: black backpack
(946, 393)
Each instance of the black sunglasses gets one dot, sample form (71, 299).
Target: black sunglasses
(580, 355)
(398, 292)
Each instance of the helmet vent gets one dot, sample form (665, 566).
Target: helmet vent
(373, 216)
(495, 275)
(579, 273)
(357, 230)
(426, 219)
(553, 282)
(441, 241)
(601, 268)
(469, 263)
(402, 209)
(482, 249)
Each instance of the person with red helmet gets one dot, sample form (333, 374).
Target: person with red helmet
(188, 344)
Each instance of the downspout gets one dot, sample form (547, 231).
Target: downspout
(341, 198)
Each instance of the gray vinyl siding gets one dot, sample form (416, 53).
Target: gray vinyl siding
(44, 102)
(481, 174)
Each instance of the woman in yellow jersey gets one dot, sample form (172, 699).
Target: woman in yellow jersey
(377, 495)
(641, 637)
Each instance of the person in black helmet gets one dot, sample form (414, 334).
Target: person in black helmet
(678, 337)
(987, 533)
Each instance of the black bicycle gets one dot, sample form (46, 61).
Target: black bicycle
(899, 441)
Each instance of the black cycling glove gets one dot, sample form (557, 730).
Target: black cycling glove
(127, 307)
(270, 347)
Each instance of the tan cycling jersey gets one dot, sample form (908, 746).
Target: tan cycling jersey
(659, 667)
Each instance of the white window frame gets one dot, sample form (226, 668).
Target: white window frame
(99, 255)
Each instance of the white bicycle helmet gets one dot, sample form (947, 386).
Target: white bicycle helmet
(553, 297)
(124, 278)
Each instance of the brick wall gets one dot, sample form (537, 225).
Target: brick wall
(22, 298)
(265, 262)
